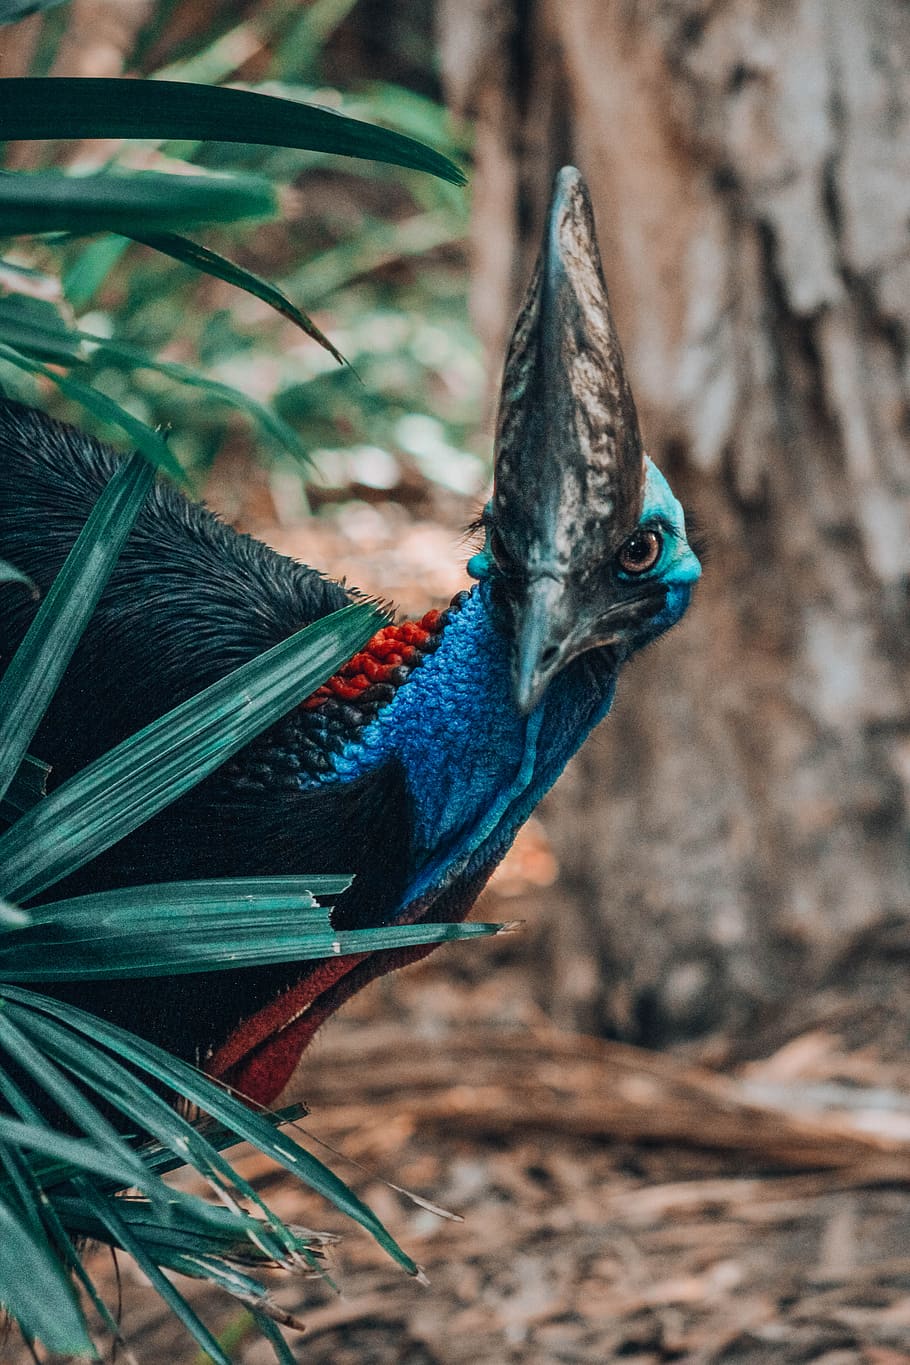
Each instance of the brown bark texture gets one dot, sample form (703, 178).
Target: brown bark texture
(734, 842)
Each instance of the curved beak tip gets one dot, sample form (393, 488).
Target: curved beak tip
(538, 645)
(535, 665)
(529, 677)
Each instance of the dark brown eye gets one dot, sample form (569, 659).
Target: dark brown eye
(640, 552)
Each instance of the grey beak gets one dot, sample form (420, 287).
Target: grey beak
(537, 654)
(569, 459)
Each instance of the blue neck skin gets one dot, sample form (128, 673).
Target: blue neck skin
(476, 768)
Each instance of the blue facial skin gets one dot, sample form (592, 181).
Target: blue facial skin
(678, 567)
(475, 766)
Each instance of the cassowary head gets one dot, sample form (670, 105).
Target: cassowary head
(585, 543)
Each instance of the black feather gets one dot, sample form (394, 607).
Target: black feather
(359, 827)
(189, 600)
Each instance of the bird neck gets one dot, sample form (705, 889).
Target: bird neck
(475, 767)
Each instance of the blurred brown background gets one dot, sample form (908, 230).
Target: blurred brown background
(723, 872)
(738, 838)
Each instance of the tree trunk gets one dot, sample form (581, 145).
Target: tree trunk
(736, 836)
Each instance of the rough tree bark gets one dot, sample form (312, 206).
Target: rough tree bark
(737, 835)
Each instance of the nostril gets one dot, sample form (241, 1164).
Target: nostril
(548, 656)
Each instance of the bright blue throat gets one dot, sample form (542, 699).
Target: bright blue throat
(475, 767)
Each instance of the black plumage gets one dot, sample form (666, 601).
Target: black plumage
(189, 600)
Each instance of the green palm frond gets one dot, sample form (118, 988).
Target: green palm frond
(36, 331)
(210, 263)
(52, 201)
(56, 1046)
(148, 441)
(146, 772)
(31, 679)
(29, 785)
(87, 1138)
(90, 107)
(181, 927)
(159, 204)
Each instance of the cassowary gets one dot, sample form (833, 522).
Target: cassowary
(415, 765)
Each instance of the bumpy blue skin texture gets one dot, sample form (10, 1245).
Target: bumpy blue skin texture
(476, 767)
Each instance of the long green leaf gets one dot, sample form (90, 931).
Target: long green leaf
(300, 48)
(148, 441)
(106, 1211)
(149, 1113)
(44, 1220)
(185, 1081)
(283, 1353)
(199, 897)
(28, 786)
(187, 1224)
(50, 37)
(35, 326)
(74, 1104)
(178, 945)
(19, 1191)
(39, 663)
(100, 107)
(194, 1240)
(123, 1090)
(50, 1169)
(35, 1291)
(131, 357)
(210, 263)
(13, 10)
(157, 1157)
(125, 787)
(223, 1234)
(85, 275)
(51, 201)
(84, 1155)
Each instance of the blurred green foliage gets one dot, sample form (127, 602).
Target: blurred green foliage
(374, 253)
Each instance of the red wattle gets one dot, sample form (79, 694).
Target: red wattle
(387, 650)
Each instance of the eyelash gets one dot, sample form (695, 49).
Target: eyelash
(474, 535)
(698, 539)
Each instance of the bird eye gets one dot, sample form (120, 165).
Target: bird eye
(640, 552)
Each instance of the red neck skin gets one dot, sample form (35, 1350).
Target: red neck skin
(260, 1056)
(386, 659)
